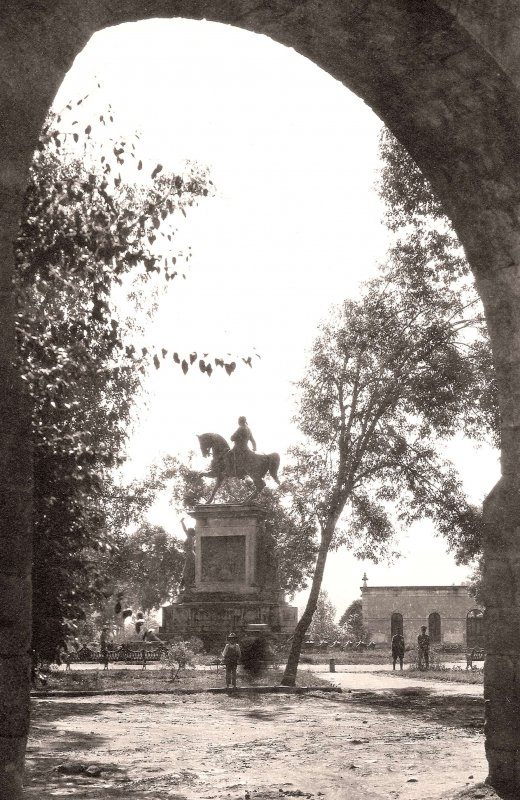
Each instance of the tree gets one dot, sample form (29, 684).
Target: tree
(352, 622)
(84, 233)
(428, 255)
(388, 375)
(324, 626)
(146, 567)
(418, 221)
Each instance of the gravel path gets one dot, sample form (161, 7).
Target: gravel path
(388, 739)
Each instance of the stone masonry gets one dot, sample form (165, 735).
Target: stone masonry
(442, 608)
(236, 580)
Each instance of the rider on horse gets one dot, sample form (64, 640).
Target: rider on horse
(239, 455)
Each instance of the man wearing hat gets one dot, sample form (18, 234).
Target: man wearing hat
(231, 656)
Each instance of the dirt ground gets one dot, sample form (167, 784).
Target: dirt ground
(398, 742)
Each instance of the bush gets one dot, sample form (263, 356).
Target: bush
(177, 656)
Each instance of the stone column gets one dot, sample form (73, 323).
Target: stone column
(15, 536)
(502, 618)
(501, 576)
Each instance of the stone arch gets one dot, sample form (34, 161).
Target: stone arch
(434, 627)
(444, 77)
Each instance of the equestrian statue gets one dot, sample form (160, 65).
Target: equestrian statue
(239, 461)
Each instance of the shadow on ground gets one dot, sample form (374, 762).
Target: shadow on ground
(456, 711)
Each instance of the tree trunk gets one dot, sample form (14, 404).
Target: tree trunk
(291, 668)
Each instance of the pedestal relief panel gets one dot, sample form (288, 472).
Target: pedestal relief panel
(222, 559)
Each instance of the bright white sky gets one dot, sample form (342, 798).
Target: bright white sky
(293, 227)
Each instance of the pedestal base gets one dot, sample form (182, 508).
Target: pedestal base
(212, 620)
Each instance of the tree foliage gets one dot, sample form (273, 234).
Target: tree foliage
(324, 626)
(390, 377)
(429, 256)
(146, 567)
(84, 234)
(352, 622)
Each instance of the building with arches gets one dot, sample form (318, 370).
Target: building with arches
(449, 613)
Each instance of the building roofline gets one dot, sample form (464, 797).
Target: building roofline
(456, 586)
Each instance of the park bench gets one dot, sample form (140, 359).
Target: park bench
(136, 656)
(476, 654)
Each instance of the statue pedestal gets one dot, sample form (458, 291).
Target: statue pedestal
(236, 584)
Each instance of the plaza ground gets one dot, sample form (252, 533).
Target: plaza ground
(384, 736)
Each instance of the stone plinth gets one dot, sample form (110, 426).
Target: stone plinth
(227, 548)
(236, 579)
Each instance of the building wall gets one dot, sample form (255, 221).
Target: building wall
(416, 603)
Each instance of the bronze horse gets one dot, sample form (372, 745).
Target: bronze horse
(228, 463)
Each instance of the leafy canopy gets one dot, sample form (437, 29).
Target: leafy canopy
(84, 235)
(390, 378)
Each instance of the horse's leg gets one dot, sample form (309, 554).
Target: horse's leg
(274, 463)
(215, 489)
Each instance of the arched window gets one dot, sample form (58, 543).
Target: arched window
(475, 628)
(434, 627)
(396, 624)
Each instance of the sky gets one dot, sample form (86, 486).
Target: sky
(294, 225)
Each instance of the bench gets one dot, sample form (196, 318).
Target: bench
(139, 656)
(477, 654)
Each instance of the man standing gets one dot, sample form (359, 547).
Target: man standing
(397, 650)
(231, 656)
(423, 648)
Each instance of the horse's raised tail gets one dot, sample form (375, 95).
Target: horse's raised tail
(274, 463)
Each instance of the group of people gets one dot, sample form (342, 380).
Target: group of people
(423, 649)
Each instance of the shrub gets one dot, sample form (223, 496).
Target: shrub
(177, 656)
